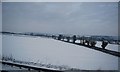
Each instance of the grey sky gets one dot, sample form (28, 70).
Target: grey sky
(86, 18)
(0, 16)
(0, 30)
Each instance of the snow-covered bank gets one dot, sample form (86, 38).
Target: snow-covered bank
(55, 52)
(112, 47)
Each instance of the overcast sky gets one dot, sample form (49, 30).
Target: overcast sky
(0, 16)
(83, 18)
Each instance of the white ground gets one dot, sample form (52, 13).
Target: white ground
(59, 53)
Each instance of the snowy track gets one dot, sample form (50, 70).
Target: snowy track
(29, 67)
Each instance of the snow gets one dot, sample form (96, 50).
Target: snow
(109, 46)
(56, 52)
(30, 65)
(8, 67)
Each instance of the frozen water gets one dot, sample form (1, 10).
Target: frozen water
(56, 52)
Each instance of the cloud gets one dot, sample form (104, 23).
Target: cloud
(61, 17)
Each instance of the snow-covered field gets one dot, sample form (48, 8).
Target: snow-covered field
(55, 52)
